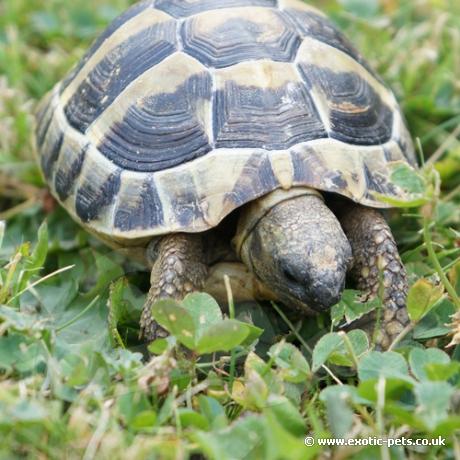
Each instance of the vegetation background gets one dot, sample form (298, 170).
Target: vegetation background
(74, 382)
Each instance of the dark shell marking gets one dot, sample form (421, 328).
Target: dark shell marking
(94, 195)
(257, 174)
(65, 177)
(53, 147)
(246, 116)
(179, 134)
(113, 27)
(139, 207)
(117, 70)
(357, 113)
(183, 110)
(186, 204)
(320, 28)
(44, 118)
(223, 38)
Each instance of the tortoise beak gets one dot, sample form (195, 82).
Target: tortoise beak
(318, 288)
(325, 295)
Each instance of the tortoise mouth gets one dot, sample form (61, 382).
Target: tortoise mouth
(316, 297)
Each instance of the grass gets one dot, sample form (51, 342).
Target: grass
(74, 382)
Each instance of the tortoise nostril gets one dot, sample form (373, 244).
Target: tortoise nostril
(289, 276)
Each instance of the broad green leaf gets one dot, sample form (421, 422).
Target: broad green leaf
(395, 388)
(282, 444)
(272, 379)
(254, 437)
(255, 362)
(339, 414)
(408, 179)
(180, 378)
(295, 391)
(438, 371)
(83, 324)
(433, 400)
(411, 182)
(326, 345)
(107, 270)
(132, 403)
(190, 418)
(359, 343)
(447, 427)
(434, 324)
(420, 357)
(387, 364)
(422, 297)
(255, 391)
(158, 346)
(197, 323)
(286, 413)
(254, 333)
(19, 353)
(245, 439)
(351, 307)
(88, 365)
(204, 310)
(403, 415)
(144, 420)
(213, 410)
(222, 336)
(176, 320)
(76, 369)
(345, 392)
(292, 364)
(265, 318)
(15, 319)
(56, 297)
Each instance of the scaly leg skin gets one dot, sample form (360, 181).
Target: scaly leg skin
(377, 266)
(178, 270)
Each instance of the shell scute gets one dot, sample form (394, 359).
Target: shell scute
(263, 104)
(116, 70)
(223, 38)
(71, 160)
(157, 125)
(139, 205)
(97, 191)
(356, 113)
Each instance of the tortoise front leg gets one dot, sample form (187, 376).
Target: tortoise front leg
(377, 267)
(178, 269)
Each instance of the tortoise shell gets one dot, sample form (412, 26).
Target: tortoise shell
(184, 110)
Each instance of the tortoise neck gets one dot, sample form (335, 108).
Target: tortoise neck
(252, 213)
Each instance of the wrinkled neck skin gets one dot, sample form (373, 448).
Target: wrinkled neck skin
(294, 244)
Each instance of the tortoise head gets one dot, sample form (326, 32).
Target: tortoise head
(295, 245)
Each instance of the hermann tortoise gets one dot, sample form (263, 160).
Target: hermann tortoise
(192, 124)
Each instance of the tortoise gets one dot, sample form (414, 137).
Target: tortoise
(253, 125)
